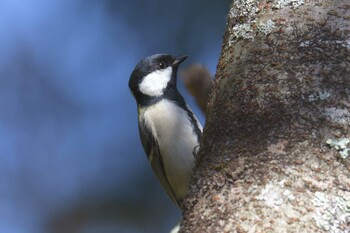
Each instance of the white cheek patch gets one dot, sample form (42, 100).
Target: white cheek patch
(154, 83)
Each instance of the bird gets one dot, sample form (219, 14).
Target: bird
(169, 130)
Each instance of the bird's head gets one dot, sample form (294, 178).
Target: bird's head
(153, 75)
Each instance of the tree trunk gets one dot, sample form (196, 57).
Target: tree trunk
(275, 152)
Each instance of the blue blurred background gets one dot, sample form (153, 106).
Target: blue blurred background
(70, 155)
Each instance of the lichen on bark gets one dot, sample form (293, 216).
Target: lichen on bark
(264, 164)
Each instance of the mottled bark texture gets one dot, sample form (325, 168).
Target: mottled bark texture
(274, 155)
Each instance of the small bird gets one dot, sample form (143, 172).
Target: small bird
(169, 130)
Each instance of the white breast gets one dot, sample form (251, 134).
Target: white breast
(176, 138)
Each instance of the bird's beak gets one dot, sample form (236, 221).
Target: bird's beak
(179, 59)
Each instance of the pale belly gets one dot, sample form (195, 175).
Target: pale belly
(176, 140)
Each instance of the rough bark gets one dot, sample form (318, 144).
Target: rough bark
(274, 155)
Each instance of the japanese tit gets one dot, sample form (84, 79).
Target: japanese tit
(169, 130)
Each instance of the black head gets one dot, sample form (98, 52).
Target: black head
(153, 75)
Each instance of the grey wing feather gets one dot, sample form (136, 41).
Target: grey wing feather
(151, 148)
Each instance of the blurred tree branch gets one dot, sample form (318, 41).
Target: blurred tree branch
(274, 155)
(199, 84)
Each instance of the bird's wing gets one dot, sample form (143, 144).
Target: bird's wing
(151, 148)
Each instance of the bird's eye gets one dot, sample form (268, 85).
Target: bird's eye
(161, 65)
